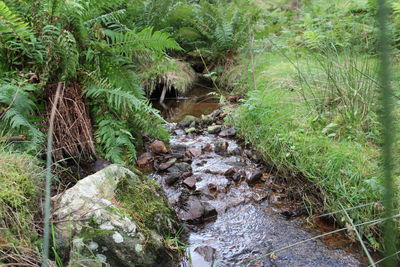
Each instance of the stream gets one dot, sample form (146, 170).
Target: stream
(235, 210)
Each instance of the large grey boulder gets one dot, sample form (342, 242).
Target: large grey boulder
(93, 221)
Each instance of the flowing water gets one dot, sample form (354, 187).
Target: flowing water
(233, 219)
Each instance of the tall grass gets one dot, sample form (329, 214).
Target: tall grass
(341, 88)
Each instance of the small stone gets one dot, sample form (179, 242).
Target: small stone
(208, 148)
(228, 132)
(179, 132)
(190, 130)
(209, 211)
(236, 151)
(187, 121)
(194, 151)
(193, 210)
(206, 119)
(239, 175)
(207, 252)
(215, 113)
(144, 159)
(193, 124)
(166, 165)
(230, 172)
(254, 177)
(177, 155)
(212, 187)
(214, 129)
(180, 167)
(158, 147)
(221, 147)
(172, 178)
(190, 182)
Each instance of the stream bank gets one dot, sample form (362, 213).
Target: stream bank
(234, 208)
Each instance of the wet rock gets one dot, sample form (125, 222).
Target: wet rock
(238, 176)
(186, 175)
(166, 165)
(214, 115)
(260, 195)
(174, 199)
(230, 172)
(228, 132)
(207, 252)
(254, 177)
(212, 187)
(179, 132)
(194, 151)
(177, 155)
(190, 182)
(190, 130)
(144, 159)
(87, 218)
(206, 119)
(208, 148)
(221, 147)
(180, 167)
(158, 147)
(201, 163)
(209, 211)
(193, 124)
(214, 129)
(193, 211)
(187, 121)
(172, 178)
(236, 151)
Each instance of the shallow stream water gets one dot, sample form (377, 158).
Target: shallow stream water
(240, 221)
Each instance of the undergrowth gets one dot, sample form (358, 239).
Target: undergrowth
(19, 206)
(281, 125)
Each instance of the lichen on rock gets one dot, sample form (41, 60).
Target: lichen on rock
(115, 216)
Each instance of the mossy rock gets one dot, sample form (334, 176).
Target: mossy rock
(116, 216)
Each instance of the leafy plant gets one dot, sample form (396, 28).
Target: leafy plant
(17, 104)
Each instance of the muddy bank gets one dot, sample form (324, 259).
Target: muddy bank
(234, 209)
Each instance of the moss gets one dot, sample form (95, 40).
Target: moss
(144, 202)
(19, 198)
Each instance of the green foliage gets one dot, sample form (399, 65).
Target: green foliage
(19, 199)
(342, 90)
(17, 102)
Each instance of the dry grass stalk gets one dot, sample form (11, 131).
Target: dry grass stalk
(73, 133)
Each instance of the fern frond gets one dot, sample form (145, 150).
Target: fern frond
(19, 105)
(129, 42)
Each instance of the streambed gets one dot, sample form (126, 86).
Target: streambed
(234, 210)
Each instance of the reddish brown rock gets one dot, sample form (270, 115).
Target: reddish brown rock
(194, 151)
(144, 159)
(208, 148)
(158, 147)
(228, 132)
(190, 182)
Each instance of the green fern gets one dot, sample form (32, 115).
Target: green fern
(115, 138)
(125, 106)
(18, 105)
(130, 42)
